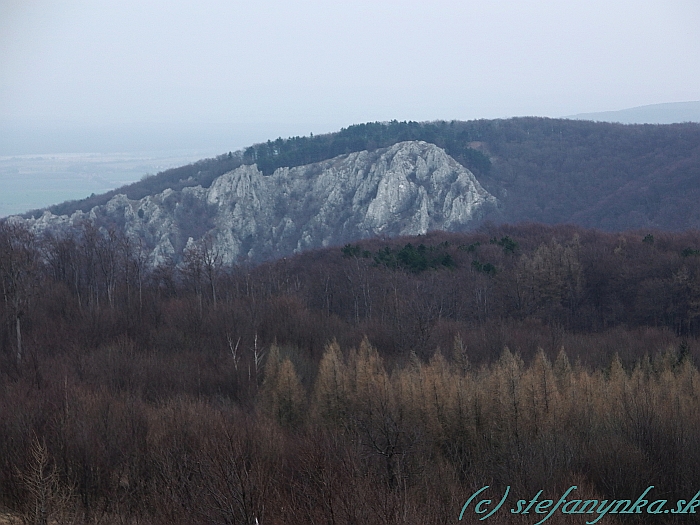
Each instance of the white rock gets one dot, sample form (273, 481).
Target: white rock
(407, 189)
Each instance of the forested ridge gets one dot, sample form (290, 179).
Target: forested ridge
(596, 174)
(378, 382)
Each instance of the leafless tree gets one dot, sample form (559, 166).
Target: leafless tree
(19, 267)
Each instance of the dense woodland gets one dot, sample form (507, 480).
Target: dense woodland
(378, 382)
(601, 175)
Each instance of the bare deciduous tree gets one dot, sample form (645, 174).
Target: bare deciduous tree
(19, 265)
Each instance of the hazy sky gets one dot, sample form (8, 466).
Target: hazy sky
(318, 65)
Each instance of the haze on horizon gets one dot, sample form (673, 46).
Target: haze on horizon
(246, 72)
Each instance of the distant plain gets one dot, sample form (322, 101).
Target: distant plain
(42, 164)
(29, 182)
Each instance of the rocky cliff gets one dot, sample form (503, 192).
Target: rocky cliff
(407, 189)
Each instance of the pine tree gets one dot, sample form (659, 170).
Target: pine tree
(282, 394)
(331, 390)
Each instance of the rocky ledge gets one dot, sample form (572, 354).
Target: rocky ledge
(407, 189)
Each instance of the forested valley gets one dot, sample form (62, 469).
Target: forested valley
(383, 381)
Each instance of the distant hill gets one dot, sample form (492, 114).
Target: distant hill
(669, 113)
(296, 196)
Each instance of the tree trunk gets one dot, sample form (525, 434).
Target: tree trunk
(19, 338)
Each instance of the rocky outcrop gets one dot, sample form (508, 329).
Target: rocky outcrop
(407, 189)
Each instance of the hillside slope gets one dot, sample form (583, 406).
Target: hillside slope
(668, 113)
(597, 174)
(608, 176)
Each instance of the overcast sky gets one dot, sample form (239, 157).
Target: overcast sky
(318, 65)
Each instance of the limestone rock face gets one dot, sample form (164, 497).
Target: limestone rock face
(407, 189)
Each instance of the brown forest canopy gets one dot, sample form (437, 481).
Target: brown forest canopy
(380, 382)
(501, 285)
